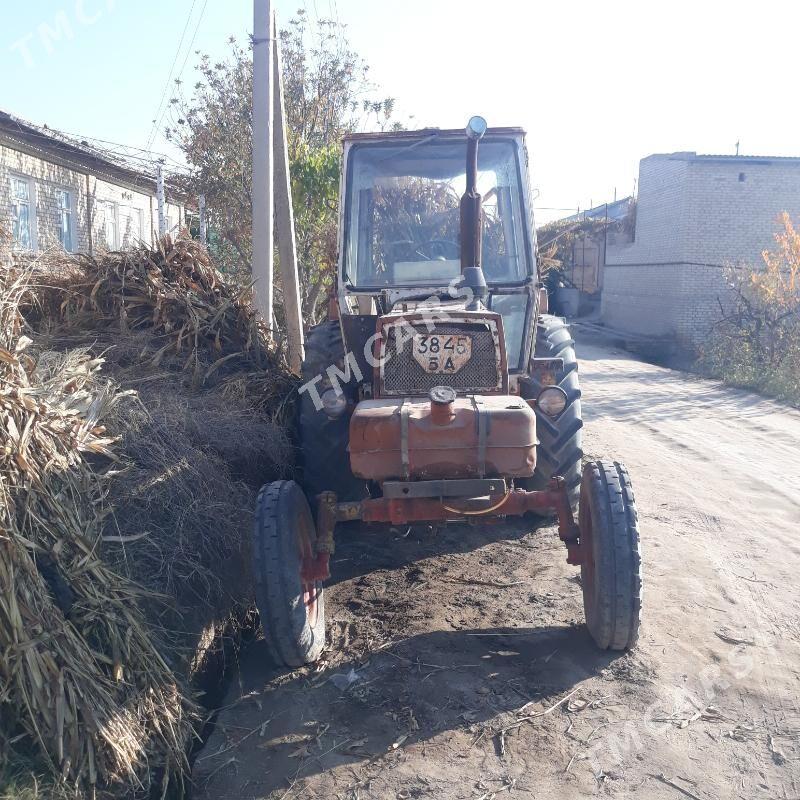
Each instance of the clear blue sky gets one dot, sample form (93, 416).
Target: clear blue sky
(597, 85)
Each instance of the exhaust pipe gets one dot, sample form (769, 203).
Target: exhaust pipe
(472, 220)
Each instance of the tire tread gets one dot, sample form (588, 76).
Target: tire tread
(323, 441)
(560, 441)
(274, 569)
(618, 566)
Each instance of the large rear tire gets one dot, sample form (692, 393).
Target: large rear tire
(611, 572)
(292, 610)
(560, 440)
(326, 462)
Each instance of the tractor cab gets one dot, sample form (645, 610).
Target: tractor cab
(401, 226)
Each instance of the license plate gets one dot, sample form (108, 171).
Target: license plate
(442, 353)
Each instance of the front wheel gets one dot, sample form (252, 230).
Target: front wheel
(559, 451)
(292, 610)
(611, 570)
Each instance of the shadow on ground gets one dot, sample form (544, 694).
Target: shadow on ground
(362, 549)
(294, 725)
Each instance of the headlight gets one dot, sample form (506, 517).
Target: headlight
(333, 403)
(552, 401)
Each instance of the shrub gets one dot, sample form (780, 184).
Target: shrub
(756, 342)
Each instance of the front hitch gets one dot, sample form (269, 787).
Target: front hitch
(410, 510)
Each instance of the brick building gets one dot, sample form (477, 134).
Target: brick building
(57, 192)
(695, 215)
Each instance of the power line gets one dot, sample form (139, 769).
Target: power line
(157, 118)
(183, 66)
(191, 44)
(159, 112)
(157, 123)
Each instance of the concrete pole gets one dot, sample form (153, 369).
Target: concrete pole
(284, 220)
(262, 159)
(201, 207)
(162, 216)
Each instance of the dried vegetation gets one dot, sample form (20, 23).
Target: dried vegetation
(142, 407)
(755, 341)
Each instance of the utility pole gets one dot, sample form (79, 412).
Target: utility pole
(284, 219)
(262, 159)
(162, 217)
(201, 207)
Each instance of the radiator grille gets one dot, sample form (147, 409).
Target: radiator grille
(403, 375)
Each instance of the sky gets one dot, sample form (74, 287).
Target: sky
(597, 85)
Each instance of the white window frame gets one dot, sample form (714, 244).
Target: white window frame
(32, 215)
(172, 228)
(107, 205)
(132, 213)
(70, 193)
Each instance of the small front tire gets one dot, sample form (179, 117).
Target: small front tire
(611, 572)
(292, 610)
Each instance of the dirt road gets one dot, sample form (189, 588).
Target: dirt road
(450, 653)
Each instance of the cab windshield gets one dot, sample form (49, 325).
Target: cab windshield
(402, 213)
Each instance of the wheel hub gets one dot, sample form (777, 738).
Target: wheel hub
(313, 570)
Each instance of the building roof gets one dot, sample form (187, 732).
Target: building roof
(113, 162)
(733, 159)
(613, 212)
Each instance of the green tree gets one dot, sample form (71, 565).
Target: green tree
(327, 93)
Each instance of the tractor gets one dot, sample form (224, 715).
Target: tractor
(439, 390)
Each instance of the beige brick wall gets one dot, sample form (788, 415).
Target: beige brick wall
(120, 216)
(47, 179)
(694, 216)
(661, 215)
(733, 220)
(676, 300)
(101, 207)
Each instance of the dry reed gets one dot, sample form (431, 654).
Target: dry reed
(141, 407)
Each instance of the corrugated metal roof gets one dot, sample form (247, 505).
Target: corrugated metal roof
(614, 211)
(137, 171)
(64, 147)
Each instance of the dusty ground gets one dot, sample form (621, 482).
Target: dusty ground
(448, 637)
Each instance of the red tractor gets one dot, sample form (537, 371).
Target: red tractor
(439, 390)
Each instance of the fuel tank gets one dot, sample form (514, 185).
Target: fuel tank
(490, 436)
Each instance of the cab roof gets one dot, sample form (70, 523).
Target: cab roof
(447, 132)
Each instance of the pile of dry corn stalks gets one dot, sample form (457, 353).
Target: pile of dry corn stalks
(141, 407)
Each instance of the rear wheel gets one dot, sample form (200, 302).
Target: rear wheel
(292, 610)
(611, 572)
(560, 440)
(326, 462)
